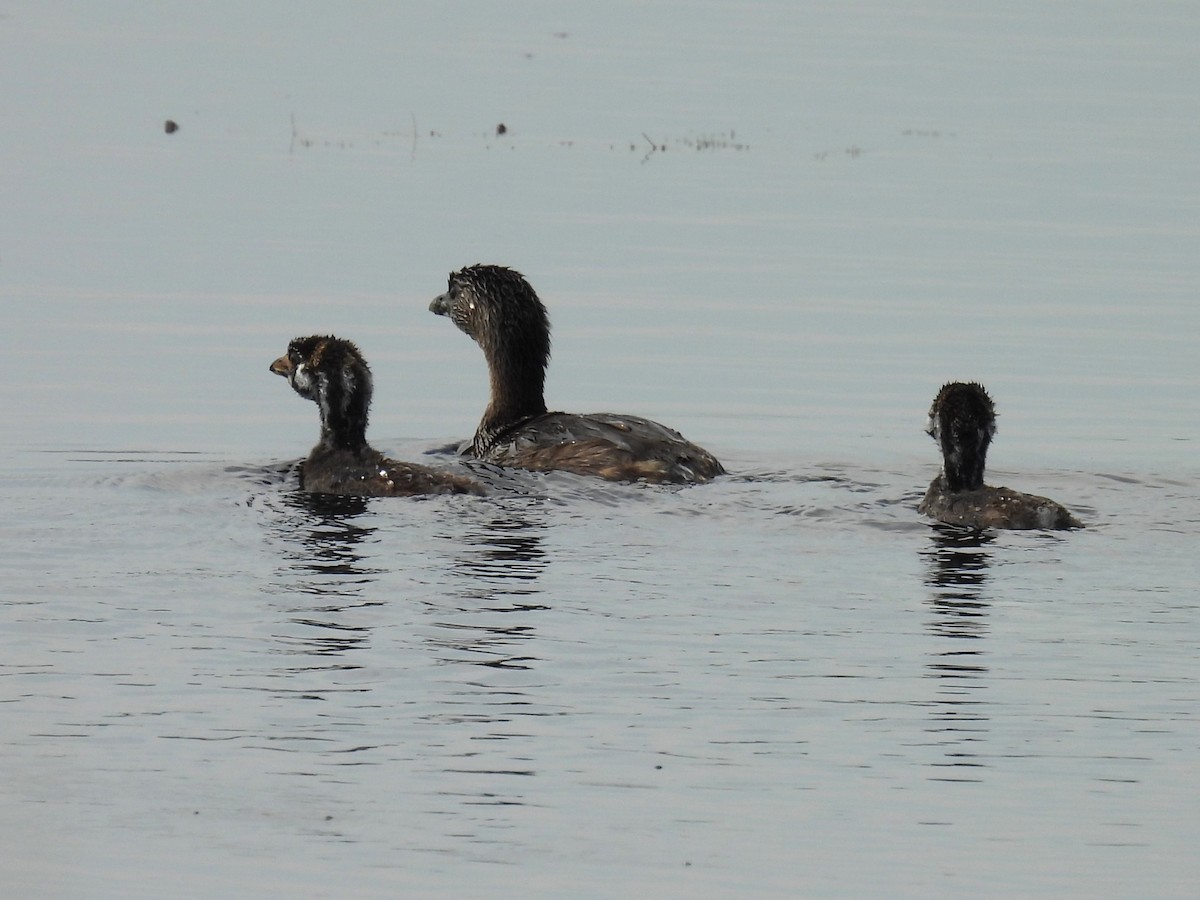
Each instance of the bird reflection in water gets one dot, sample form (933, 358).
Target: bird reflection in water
(486, 620)
(484, 708)
(958, 563)
(327, 551)
(461, 603)
(330, 539)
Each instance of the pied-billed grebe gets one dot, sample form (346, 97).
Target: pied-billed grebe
(963, 421)
(498, 308)
(332, 373)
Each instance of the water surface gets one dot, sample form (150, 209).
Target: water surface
(778, 228)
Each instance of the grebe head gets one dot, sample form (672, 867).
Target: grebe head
(962, 420)
(332, 373)
(499, 309)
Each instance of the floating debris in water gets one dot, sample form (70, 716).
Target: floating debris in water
(705, 142)
(647, 146)
(170, 126)
(852, 152)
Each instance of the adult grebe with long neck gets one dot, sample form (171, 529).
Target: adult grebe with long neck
(333, 374)
(498, 308)
(963, 421)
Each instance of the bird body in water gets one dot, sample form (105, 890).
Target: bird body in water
(963, 422)
(332, 373)
(498, 308)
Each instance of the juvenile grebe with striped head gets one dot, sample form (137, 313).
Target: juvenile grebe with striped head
(333, 374)
(963, 422)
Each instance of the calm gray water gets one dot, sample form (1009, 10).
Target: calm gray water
(778, 227)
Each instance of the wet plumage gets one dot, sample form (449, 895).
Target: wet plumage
(962, 421)
(498, 308)
(333, 374)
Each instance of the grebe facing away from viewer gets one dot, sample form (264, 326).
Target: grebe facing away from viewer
(332, 373)
(963, 421)
(497, 307)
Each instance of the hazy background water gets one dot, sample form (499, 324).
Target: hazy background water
(778, 227)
